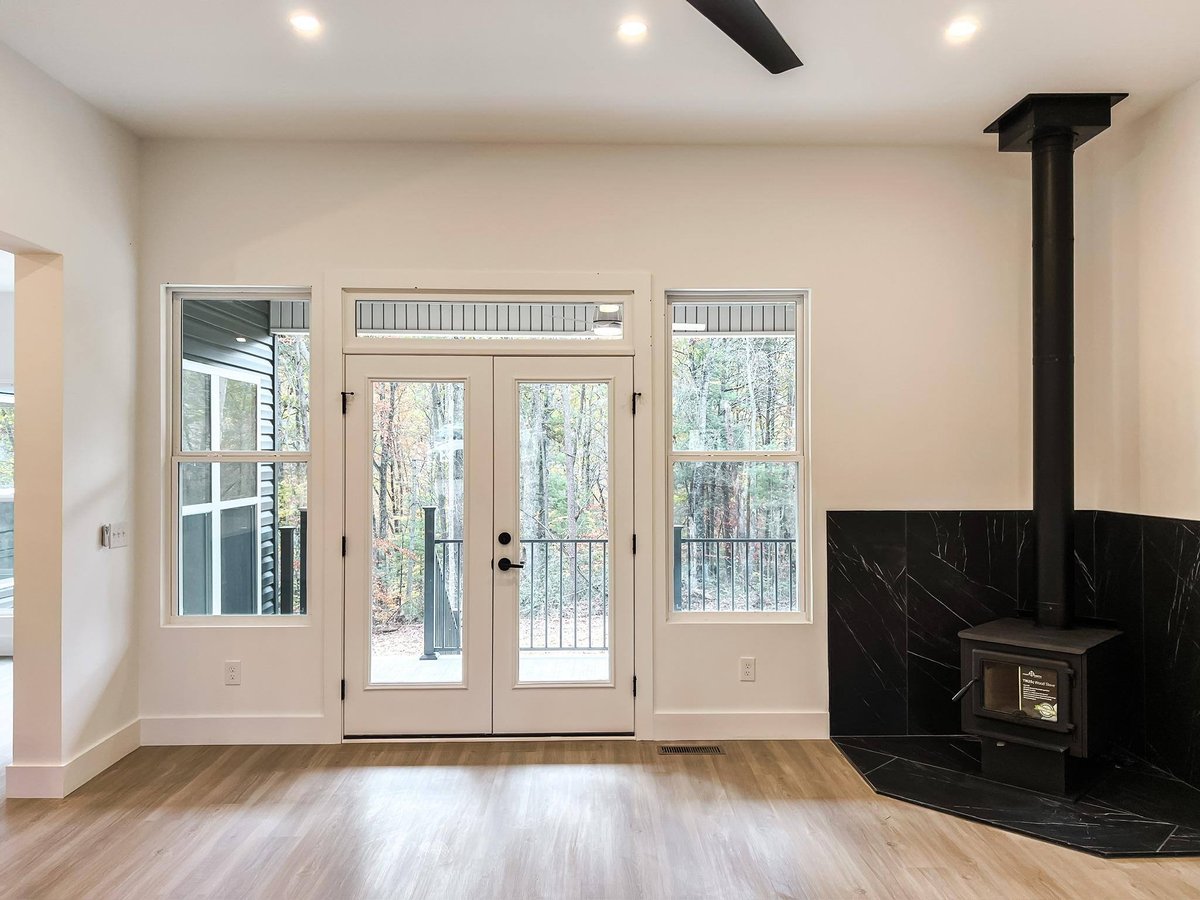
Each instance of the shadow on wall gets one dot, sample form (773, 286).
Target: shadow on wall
(903, 584)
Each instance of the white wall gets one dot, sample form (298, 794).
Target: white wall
(1138, 305)
(68, 179)
(918, 262)
(7, 320)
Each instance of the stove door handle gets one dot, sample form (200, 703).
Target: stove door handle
(963, 690)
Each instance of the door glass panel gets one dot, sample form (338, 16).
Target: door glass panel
(417, 516)
(563, 632)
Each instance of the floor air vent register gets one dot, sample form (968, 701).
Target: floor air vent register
(691, 750)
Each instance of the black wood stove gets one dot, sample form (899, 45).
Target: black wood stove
(1045, 694)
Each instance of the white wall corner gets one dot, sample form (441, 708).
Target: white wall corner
(751, 726)
(171, 731)
(57, 781)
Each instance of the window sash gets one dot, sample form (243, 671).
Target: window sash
(796, 455)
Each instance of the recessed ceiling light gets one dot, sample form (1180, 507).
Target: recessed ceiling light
(961, 30)
(632, 30)
(306, 24)
(240, 339)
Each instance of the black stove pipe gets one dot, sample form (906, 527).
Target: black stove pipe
(1053, 373)
(1051, 127)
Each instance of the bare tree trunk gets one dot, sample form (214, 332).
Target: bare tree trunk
(570, 442)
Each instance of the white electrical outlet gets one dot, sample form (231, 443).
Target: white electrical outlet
(114, 535)
(233, 671)
(746, 666)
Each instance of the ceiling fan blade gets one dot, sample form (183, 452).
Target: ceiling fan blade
(748, 25)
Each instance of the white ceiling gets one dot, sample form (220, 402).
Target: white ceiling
(554, 70)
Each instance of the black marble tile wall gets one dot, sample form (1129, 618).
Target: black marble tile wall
(901, 587)
(903, 584)
(1171, 623)
(867, 633)
(962, 571)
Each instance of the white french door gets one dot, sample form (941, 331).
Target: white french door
(489, 559)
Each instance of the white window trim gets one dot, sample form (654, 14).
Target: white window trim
(174, 297)
(803, 614)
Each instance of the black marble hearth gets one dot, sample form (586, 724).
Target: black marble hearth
(1131, 808)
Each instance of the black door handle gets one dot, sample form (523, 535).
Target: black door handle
(504, 537)
(504, 564)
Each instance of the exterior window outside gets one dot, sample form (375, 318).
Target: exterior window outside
(736, 454)
(241, 456)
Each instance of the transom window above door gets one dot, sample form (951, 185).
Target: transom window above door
(240, 455)
(736, 451)
(497, 317)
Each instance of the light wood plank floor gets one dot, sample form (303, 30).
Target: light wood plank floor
(476, 820)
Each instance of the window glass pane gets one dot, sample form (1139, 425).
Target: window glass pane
(195, 483)
(247, 363)
(197, 410)
(417, 515)
(563, 470)
(238, 413)
(195, 564)
(291, 505)
(240, 481)
(735, 536)
(244, 553)
(733, 392)
(473, 316)
(239, 561)
(292, 363)
(244, 388)
(733, 375)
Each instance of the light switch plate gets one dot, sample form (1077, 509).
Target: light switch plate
(114, 535)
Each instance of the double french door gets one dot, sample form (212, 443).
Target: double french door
(489, 558)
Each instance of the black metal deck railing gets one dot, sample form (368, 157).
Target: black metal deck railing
(293, 567)
(734, 574)
(563, 593)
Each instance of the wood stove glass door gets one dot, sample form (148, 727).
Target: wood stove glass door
(1023, 689)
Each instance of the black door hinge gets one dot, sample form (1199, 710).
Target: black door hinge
(343, 545)
(635, 545)
(636, 396)
(346, 395)
(343, 688)
(634, 685)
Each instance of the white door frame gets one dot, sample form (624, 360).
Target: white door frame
(333, 302)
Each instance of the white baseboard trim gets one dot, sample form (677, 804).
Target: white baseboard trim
(774, 726)
(171, 731)
(56, 782)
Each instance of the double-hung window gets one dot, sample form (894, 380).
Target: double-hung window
(240, 455)
(737, 451)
